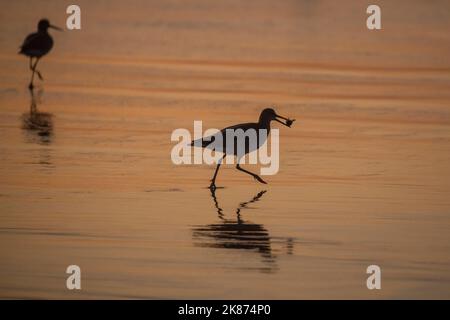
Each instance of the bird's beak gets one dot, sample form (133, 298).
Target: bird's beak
(55, 27)
(288, 122)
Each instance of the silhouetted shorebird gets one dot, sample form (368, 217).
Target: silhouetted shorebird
(267, 115)
(36, 45)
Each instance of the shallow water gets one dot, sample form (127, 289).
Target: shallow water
(364, 176)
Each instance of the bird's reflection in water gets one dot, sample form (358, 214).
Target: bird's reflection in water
(38, 126)
(237, 234)
(289, 246)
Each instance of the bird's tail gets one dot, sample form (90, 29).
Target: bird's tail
(200, 143)
(197, 143)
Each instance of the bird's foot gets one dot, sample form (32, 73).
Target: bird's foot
(259, 179)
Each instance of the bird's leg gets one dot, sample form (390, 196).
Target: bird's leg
(212, 186)
(250, 173)
(33, 106)
(37, 71)
(31, 86)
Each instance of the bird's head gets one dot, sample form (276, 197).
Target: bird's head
(269, 114)
(44, 24)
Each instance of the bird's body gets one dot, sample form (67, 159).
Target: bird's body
(254, 136)
(37, 45)
(247, 130)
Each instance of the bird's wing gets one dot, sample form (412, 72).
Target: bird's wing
(204, 142)
(30, 42)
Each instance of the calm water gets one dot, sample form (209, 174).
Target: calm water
(364, 175)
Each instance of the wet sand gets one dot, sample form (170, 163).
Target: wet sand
(364, 175)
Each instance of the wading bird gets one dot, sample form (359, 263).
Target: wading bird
(267, 115)
(36, 45)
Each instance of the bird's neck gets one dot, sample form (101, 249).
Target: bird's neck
(264, 124)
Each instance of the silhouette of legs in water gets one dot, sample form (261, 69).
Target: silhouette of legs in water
(33, 69)
(242, 234)
(250, 173)
(241, 206)
(212, 186)
(238, 234)
(35, 122)
(33, 104)
(216, 204)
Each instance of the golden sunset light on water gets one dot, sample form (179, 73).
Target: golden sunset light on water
(88, 182)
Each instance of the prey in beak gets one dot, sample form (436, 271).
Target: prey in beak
(288, 122)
